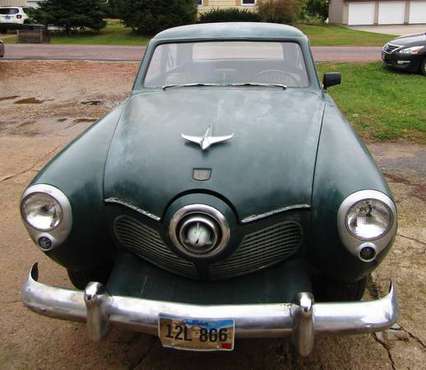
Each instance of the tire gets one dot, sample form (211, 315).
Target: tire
(326, 290)
(423, 67)
(80, 278)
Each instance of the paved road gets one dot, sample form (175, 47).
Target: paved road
(135, 53)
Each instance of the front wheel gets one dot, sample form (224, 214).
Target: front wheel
(326, 290)
(423, 67)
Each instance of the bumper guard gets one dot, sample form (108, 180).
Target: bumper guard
(302, 320)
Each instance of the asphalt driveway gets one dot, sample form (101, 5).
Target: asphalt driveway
(43, 106)
(135, 53)
(394, 29)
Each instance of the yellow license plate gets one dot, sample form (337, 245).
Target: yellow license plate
(196, 335)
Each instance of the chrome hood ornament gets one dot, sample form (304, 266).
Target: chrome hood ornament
(206, 141)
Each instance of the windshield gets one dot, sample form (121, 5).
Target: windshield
(9, 11)
(227, 63)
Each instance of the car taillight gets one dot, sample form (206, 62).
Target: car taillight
(18, 16)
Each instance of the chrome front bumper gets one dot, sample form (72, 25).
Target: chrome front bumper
(302, 320)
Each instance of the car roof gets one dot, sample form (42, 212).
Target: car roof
(230, 30)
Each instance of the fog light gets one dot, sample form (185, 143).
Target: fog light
(45, 243)
(367, 252)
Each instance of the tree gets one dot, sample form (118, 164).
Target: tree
(71, 14)
(151, 16)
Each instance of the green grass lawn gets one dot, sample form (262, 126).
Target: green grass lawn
(113, 34)
(334, 35)
(381, 104)
(320, 35)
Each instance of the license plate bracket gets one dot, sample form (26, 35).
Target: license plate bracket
(196, 334)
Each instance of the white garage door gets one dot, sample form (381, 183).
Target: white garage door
(361, 13)
(418, 12)
(391, 12)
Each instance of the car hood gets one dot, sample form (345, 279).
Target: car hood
(411, 40)
(267, 166)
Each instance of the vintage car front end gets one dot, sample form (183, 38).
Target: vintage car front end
(205, 211)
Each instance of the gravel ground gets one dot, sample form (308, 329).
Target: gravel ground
(43, 105)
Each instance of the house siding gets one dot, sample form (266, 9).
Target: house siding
(13, 3)
(23, 3)
(223, 4)
(335, 11)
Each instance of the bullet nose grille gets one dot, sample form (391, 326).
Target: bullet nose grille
(147, 243)
(260, 249)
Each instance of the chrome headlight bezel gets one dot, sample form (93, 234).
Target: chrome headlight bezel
(57, 234)
(354, 243)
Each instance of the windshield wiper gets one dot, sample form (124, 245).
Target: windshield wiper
(195, 84)
(254, 84)
(258, 84)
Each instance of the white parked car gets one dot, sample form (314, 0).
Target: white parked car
(12, 16)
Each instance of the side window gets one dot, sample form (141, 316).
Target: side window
(155, 67)
(248, 2)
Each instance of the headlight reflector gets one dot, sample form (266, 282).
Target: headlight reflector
(367, 223)
(41, 211)
(412, 50)
(369, 219)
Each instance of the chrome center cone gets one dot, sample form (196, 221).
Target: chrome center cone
(199, 234)
(199, 231)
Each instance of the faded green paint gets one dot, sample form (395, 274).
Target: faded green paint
(290, 147)
(269, 163)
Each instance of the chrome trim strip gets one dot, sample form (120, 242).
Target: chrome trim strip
(302, 319)
(274, 212)
(113, 200)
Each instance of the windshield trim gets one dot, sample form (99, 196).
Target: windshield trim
(312, 75)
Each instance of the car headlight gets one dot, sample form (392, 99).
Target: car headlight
(41, 211)
(47, 215)
(367, 223)
(412, 50)
(368, 219)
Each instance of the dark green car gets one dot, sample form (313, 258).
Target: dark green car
(217, 201)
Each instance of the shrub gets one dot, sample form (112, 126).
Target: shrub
(149, 17)
(316, 8)
(279, 11)
(70, 14)
(229, 15)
